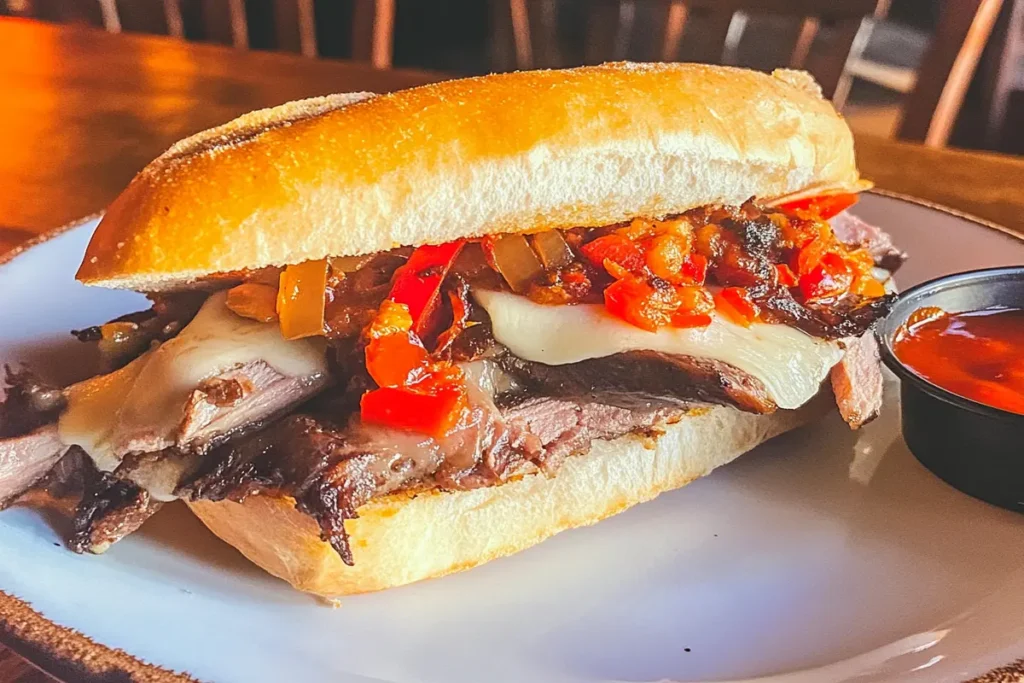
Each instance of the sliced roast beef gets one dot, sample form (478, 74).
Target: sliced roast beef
(853, 231)
(332, 469)
(152, 466)
(111, 508)
(640, 379)
(857, 382)
(25, 459)
(30, 403)
(67, 478)
(240, 398)
(558, 428)
(115, 504)
(230, 439)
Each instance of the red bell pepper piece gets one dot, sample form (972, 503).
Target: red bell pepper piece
(784, 275)
(810, 256)
(641, 304)
(735, 303)
(830, 278)
(695, 268)
(396, 359)
(418, 283)
(638, 303)
(666, 255)
(616, 248)
(691, 320)
(824, 206)
(435, 411)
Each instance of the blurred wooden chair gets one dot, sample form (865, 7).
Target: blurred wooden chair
(1001, 67)
(947, 68)
(224, 21)
(723, 22)
(934, 95)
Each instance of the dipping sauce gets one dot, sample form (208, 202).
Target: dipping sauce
(978, 355)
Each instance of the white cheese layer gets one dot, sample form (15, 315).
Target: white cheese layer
(790, 363)
(144, 402)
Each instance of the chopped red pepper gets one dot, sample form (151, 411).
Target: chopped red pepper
(695, 269)
(487, 247)
(666, 256)
(391, 318)
(832, 277)
(691, 320)
(784, 275)
(810, 256)
(694, 299)
(418, 283)
(434, 411)
(396, 359)
(824, 206)
(616, 248)
(867, 286)
(415, 393)
(735, 303)
(640, 304)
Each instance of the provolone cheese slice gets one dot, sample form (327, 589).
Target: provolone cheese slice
(145, 400)
(790, 363)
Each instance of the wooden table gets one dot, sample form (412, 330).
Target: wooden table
(83, 111)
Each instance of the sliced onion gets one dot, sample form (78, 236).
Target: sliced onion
(300, 299)
(552, 249)
(254, 300)
(348, 264)
(515, 261)
(121, 339)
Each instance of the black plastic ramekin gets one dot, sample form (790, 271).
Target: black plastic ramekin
(977, 448)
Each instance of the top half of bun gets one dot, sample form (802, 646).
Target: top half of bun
(519, 152)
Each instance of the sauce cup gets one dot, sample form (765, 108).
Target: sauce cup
(974, 447)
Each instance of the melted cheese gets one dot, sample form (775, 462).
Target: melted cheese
(145, 400)
(790, 363)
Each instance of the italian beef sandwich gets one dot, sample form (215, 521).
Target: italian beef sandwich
(397, 336)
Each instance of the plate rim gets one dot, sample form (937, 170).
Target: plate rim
(69, 655)
(46, 236)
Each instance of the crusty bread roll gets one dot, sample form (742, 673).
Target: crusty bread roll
(401, 539)
(521, 152)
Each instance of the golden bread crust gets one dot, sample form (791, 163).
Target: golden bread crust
(518, 152)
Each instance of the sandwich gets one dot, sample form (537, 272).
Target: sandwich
(396, 336)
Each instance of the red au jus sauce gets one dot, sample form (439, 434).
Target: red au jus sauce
(978, 355)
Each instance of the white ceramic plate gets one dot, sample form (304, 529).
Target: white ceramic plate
(824, 555)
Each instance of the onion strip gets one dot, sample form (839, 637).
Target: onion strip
(300, 299)
(552, 249)
(514, 259)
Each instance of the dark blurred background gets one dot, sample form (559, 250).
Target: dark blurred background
(898, 49)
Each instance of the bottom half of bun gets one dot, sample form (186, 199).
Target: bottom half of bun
(400, 539)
